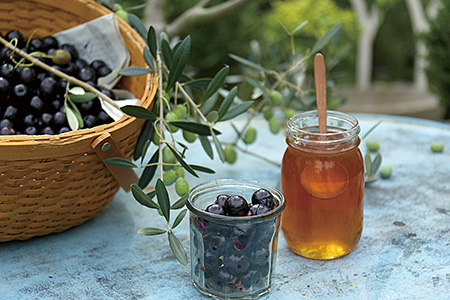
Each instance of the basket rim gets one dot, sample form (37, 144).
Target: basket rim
(89, 133)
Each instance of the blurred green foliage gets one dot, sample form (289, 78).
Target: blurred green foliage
(262, 21)
(438, 43)
(212, 42)
(394, 48)
(321, 16)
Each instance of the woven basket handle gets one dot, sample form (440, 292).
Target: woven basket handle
(105, 147)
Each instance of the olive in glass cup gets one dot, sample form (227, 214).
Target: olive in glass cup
(232, 257)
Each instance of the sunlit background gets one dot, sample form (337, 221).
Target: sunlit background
(390, 57)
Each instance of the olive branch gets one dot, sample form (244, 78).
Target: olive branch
(194, 106)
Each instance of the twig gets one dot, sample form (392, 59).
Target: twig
(188, 98)
(199, 14)
(46, 67)
(279, 79)
(258, 156)
(161, 110)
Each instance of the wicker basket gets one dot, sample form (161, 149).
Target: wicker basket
(51, 183)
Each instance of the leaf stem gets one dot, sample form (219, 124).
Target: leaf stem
(58, 73)
(188, 98)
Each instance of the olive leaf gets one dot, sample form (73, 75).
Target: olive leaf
(180, 59)
(77, 90)
(144, 150)
(151, 41)
(203, 169)
(72, 118)
(138, 25)
(206, 146)
(180, 202)
(166, 52)
(73, 114)
(146, 134)
(194, 127)
(134, 71)
(323, 41)
(299, 27)
(218, 146)
(216, 83)
(120, 162)
(376, 164)
(152, 194)
(256, 84)
(179, 218)
(142, 197)
(151, 231)
(371, 129)
(163, 199)
(226, 103)
(148, 58)
(176, 46)
(209, 104)
(149, 171)
(182, 162)
(199, 83)
(237, 110)
(177, 249)
(371, 167)
(249, 63)
(86, 97)
(138, 112)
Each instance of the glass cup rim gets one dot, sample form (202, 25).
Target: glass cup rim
(235, 219)
(294, 131)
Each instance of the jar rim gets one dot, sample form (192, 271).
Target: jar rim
(205, 186)
(299, 134)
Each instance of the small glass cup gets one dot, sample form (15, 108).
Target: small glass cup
(232, 257)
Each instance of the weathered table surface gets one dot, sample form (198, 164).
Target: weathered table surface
(404, 252)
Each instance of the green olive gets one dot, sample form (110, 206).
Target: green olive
(267, 112)
(437, 147)
(230, 154)
(181, 186)
(276, 97)
(180, 111)
(179, 170)
(289, 113)
(250, 135)
(274, 125)
(170, 177)
(172, 117)
(189, 136)
(123, 15)
(168, 158)
(156, 139)
(117, 6)
(372, 145)
(385, 171)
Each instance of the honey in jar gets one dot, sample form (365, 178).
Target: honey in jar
(322, 179)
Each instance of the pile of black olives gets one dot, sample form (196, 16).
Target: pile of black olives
(235, 257)
(32, 99)
(235, 205)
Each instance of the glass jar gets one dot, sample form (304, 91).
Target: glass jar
(232, 257)
(322, 179)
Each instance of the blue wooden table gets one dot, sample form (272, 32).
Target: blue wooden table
(404, 252)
